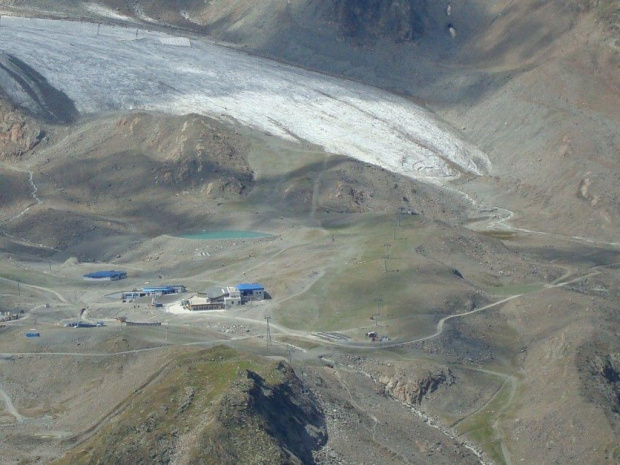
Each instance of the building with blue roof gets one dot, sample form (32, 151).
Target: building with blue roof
(159, 290)
(253, 291)
(153, 291)
(111, 275)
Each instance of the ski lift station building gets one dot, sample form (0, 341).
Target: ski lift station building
(252, 291)
(111, 275)
(157, 291)
(220, 297)
(228, 295)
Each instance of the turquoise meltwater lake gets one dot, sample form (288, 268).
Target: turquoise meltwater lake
(223, 234)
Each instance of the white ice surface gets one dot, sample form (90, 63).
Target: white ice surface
(111, 72)
(176, 41)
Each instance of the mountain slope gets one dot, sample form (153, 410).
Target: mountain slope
(533, 84)
(215, 407)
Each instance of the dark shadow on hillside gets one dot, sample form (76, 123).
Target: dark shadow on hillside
(589, 255)
(50, 103)
(363, 40)
(113, 202)
(413, 55)
(296, 423)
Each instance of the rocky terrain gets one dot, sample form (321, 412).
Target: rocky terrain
(493, 291)
(212, 407)
(496, 81)
(19, 134)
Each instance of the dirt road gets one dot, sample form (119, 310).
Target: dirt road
(9, 406)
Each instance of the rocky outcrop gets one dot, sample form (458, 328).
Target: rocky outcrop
(211, 408)
(598, 363)
(191, 151)
(18, 133)
(607, 369)
(411, 388)
(286, 412)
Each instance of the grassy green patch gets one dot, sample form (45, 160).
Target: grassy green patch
(33, 277)
(514, 289)
(480, 426)
(344, 297)
(501, 235)
(304, 344)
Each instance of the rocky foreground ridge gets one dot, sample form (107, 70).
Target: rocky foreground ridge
(215, 407)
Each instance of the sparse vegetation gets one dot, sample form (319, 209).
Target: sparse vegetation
(203, 408)
(481, 427)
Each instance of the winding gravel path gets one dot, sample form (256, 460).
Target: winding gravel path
(9, 406)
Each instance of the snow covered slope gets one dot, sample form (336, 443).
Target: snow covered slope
(119, 69)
